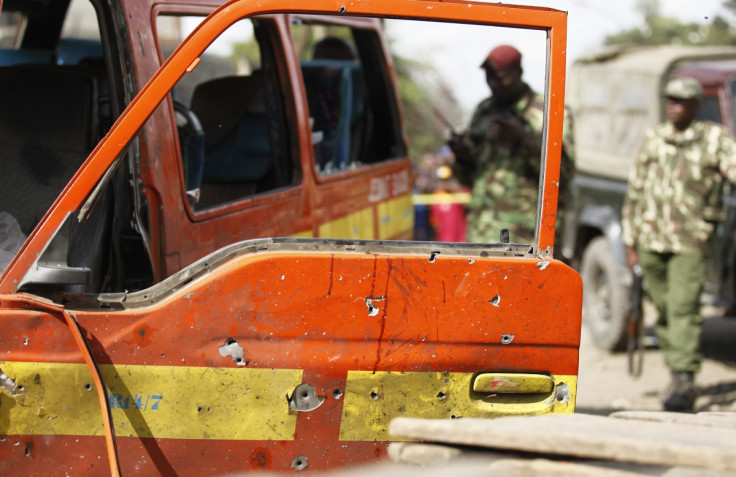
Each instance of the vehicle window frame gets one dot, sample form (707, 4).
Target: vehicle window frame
(154, 93)
(368, 49)
(268, 26)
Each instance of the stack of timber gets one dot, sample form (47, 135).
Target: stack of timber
(622, 444)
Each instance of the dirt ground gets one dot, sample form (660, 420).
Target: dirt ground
(604, 384)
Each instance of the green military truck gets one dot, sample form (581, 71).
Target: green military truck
(615, 96)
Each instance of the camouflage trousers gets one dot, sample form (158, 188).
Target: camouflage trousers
(674, 283)
(485, 226)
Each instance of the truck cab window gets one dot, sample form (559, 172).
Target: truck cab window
(346, 83)
(233, 135)
(709, 110)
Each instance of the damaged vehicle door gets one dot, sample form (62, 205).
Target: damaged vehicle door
(280, 354)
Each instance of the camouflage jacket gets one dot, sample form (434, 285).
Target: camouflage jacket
(676, 187)
(504, 177)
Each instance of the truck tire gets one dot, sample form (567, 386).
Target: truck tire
(604, 296)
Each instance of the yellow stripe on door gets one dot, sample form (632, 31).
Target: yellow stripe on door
(182, 402)
(372, 399)
(395, 217)
(358, 225)
(164, 401)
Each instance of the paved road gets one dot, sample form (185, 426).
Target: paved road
(605, 386)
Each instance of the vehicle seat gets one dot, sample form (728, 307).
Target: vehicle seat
(48, 126)
(335, 94)
(232, 113)
(13, 56)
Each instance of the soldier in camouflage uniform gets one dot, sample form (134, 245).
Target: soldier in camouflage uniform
(671, 207)
(499, 157)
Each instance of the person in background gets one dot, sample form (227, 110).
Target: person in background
(423, 230)
(330, 90)
(334, 48)
(447, 215)
(671, 207)
(499, 157)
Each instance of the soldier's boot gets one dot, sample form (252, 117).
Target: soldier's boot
(680, 395)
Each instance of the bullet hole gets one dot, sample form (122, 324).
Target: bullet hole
(304, 398)
(471, 261)
(234, 350)
(142, 332)
(507, 339)
(299, 463)
(20, 387)
(373, 309)
(453, 417)
(199, 409)
(29, 448)
(7, 384)
(542, 265)
(342, 10)
(495, 301)
(87, 386)
(433, 256)
(563, 393)
(336, 394)
(441, 395)
(260, 459)
(374, 395)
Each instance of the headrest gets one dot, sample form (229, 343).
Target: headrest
(221, 103)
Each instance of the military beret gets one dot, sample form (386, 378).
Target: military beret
(683, 88)
(502, 57)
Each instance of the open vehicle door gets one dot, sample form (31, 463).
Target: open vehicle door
(284, 354)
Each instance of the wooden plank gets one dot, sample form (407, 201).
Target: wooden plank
(461, 461)
(586, 436)
(724, 420)
(730, 415)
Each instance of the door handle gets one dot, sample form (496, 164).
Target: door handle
(512, 383)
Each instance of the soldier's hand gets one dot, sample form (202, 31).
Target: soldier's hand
(510, 129)
(461, 146)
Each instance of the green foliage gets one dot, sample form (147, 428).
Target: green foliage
(423, 94)
(248, 52)
(661, 30)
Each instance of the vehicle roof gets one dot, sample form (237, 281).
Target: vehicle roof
(655, 59)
